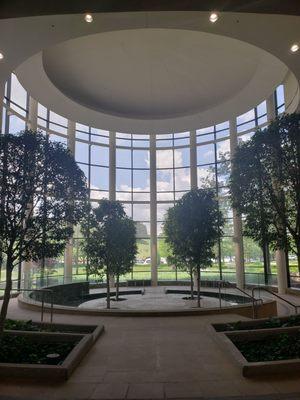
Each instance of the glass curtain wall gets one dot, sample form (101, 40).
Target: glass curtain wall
(132, 174)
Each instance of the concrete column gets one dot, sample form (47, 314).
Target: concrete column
(112, 180)
(279, 254)
(31, 124)
(282, 283)
(153, 210)
(32, 114)
(271, 114)
(68, 265)
(193, 160)
(71, 136)
(2, 92)
(237, 220)
(112, 165)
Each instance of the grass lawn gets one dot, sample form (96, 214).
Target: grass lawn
(254, 273)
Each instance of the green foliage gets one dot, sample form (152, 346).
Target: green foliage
(42, 195)
(265, 184)
(26, 350)
(110, 243)
(273, 322)
(37, 180)
(17, 325)
(192, 227)
(272, 348)
(252, 249)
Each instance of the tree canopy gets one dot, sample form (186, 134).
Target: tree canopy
(110, 240)
(43, 194)
(192, 227)
(265, 184)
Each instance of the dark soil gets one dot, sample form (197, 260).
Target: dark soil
(272, 348)
(119, 299)
(293, 320)
(189, 298)
(25, 350)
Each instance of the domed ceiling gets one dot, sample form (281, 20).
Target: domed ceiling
(152, 73)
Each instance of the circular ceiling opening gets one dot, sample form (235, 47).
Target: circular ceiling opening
(153, 73)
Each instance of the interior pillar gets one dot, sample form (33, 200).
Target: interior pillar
(237, 220)
(280, 255)
(112, 180)
(193, 160)
(2, 93)
(68, 265)
(153, 210)
(112, 166)
(31, 124)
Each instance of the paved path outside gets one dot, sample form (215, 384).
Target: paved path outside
(151, 358)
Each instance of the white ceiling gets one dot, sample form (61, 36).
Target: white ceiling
(150, 72)
(156, 73)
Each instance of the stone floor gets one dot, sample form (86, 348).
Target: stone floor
(155, 298)
(152, 358)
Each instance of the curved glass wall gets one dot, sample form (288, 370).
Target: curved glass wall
(118, 166)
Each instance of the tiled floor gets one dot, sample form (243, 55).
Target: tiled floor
(152, 358)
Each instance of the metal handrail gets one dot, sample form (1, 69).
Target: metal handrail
(228, 284)
(276, 295)
(43, 301)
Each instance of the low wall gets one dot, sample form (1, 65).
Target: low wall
(62, 293)
(265, 310)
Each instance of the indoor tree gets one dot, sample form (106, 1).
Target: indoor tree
(126, 249)
(184, 265)
(43, 193)
(110, 243)
(192, 227)
(265, 184)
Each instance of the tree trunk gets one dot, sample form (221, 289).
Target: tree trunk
(198, 287)
(298, 257)
(117, 287)
(107, 291)
(192, 283)
(6, 297)
(266, 258)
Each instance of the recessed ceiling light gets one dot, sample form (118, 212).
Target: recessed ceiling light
(1, 56)
(88, 18)
(294, 48)
(213, 17)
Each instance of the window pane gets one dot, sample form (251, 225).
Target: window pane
(206, 176)
(182, 157)
(164, 158)
(141, 180)
(141, 159)
(82, 152)
(182, 179)
(206, 154)
(141, 212)
(123, 158)
(123, 179)
(164, 180)
(99, 178)
(99, 155)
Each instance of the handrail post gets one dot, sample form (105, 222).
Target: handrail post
(51, 312)
(42, 311)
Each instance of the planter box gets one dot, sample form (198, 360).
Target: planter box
(54, 372)
(256, 324)
(94, 330)
(261, 368)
